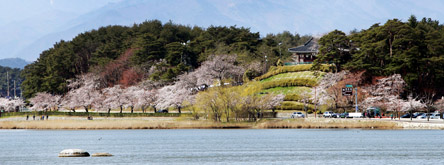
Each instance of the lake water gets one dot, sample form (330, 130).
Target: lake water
(231, 146)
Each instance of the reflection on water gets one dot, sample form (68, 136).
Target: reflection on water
(255, 146)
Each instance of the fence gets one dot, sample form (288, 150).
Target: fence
(95, 114)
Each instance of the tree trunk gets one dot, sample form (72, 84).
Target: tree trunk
(154, 108)
(143, 109)
(121, 109)
(428, 116)
(391, 45)
(73, 110)
(411, 115)
(109, 111)
(132, 109)
(86, 109)
(178, 108)
(228, 117)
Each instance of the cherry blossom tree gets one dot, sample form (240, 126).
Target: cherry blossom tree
(130, 97)
(306, 98)
(11, 105)
(412, 104)
(45, 101)
(113, 98)
(173, 95)
(83, 90)
(99, 103)
(221, 67)
(67, 101)
(386, 93)
(326, 93)
(145, 98)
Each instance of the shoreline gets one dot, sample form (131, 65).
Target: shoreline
(106, 123)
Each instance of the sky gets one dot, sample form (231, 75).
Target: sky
(27, 27)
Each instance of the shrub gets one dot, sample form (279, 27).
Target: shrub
(295, 97)
(308, 82)
(95, 114)
(293, 68)
(293, 105)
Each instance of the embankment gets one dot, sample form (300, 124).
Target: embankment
(186, 123)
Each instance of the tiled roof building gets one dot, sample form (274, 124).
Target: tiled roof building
(305, 53)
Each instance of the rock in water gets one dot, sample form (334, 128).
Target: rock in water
(73, 153)
(104, 154)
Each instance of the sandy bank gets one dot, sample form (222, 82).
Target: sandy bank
(62, 122)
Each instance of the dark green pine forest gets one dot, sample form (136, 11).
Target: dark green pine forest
(414, 49)
(150, 50)
(161, 51)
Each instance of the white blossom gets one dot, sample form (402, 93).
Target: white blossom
(10, 105)
(83, 91)
(45, 101)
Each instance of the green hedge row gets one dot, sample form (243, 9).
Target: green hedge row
(292, 105)
(96, 114)
(308, 82)
(293, 68)
(295, 97)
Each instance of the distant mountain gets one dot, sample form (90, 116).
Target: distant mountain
(28, 38)
(13, 62)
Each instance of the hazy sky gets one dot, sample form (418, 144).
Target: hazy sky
(28, 27)
(17, 10)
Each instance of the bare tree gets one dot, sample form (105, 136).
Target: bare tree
(428, 101)
(327, 92)
(306, 98)
(439, 104)
(413, 104)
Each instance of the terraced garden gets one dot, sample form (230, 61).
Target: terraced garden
(294, 82)
(287, 90)
(294, 75)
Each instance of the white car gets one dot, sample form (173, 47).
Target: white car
(297, 115)
(424, 116)
(435, 116)
(328, 114)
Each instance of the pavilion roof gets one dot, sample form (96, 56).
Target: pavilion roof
(311, 46)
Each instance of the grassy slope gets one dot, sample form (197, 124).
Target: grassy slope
(281, 80)
(287, 90)
(294, 75)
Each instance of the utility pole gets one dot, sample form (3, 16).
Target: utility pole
(265, 67)
(7, 81)
(316, 103)
(356, 94)
(15, 94)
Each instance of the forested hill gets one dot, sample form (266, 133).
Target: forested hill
(150, 50)
(414, 49)
(13, 62)
(11, 74)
